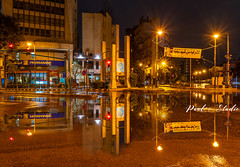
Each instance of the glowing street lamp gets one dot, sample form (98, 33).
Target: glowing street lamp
(215, 144)
(159, 32)
(215, 55)
(140, 64)
(163, 63)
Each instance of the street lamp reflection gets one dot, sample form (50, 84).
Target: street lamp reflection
(159, 148)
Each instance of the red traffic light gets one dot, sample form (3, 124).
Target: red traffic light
(11, 138)
(108, 116)
(10, 46)
(108, 62)
(28, 48)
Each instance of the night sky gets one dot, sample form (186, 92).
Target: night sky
(188, 23)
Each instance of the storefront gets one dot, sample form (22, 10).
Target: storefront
(38, 73)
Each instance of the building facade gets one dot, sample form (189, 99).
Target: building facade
(49, 29)
(143, 47)
(98, 37)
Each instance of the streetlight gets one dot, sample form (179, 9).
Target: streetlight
(215, 55)
(228, 57)
(159, 32)
(34, 51)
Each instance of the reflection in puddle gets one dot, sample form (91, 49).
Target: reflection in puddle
(202, 160)
(110, 122)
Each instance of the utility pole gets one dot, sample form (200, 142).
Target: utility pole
(228, 56)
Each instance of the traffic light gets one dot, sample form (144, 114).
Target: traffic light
(10, 47)
(108, 63)
(28, 49)
(11, 138)
(108, 116)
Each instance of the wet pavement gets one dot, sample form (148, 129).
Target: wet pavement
(121, 129)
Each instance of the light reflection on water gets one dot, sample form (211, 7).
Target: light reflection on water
(57, 121)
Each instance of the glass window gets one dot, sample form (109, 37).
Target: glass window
(53, 34)
(31, 19)
(26, 31)
(32, 31)
(97, 65)
(42, 33)
(47, 33)
(42, 20)
(37, 32)
(36, 19)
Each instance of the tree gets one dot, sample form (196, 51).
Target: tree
(9, 34)
(77, 68)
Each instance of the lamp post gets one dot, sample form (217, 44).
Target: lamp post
(215, 57)
(228, 56)
(34, 52)
(140, 65)
(156, 56)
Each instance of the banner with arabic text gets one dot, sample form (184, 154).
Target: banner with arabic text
(182, 126)
(182, 53)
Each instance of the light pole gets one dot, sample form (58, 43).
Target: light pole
(140, 65)
(228, 56)
(156, 56)
(215, 57)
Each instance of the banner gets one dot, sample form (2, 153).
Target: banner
(120, 66)
(182, 53)
(194, 126)
(46, 115)
(46, 63)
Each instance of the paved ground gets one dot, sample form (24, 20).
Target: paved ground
(68, 149)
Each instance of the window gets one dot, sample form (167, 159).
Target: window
(53, 34)
(97, 113)
(47, 33)
(42, 33)
(41, 20)
(26, 31)
(57, 34)
(32, 31)
(36, 20)
(61, 23)
(37, 32)
(62, 34)
(31, 19)
(97, 65)
(47, 21)
(15, 15)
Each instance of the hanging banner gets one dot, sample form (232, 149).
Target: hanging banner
(182, 53)
(194, 126)
(120, 66)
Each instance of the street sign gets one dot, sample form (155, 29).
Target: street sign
(182, 52)
(84, 72)
(182, 126)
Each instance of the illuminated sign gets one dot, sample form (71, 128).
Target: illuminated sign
(46, 63)
(120, 112)
(193, 126)
(46, 115)
(18, 62)
(120, 66)
(182, 52)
